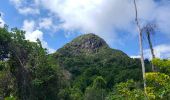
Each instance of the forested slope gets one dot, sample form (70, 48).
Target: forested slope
(84, 69)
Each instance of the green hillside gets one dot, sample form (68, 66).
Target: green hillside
(88, 56)
(84, 69)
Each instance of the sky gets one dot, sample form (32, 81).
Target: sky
(57, 22)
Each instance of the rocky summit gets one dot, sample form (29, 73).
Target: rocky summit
(84, 44)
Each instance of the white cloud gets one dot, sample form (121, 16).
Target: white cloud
(45, 45)
(161, 51)
(92, 16)
(28, 10)
(106, 18)
(32, 34)
(25, 7)
(28, 25)
(45, 23)
(2, 22)
(17, 3)
(163, 16)
(135, 56)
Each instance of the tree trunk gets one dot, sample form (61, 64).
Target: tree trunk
(141, 46)
(151, 48)
(22, 75)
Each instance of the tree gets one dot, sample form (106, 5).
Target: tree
(158, 86)
(140, 44)
(5, 39)
(19, 50)
(149, 29)
(127, 91)
(162, 65)
(99, 82)
(35, 77)
(97, 90)
(6, 80)
(70, 94)
(0, 16)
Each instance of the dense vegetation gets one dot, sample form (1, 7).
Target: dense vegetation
(84, 69)
(95, 59)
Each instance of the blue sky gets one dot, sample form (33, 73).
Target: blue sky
(56, 22)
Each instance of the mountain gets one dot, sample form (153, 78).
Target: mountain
(89, 56)
(85, 44)
(88, 44)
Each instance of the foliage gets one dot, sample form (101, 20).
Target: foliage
(127, 90)
(162, 65)
(4, 43)
(10, 98)
(158, 85)
(99, 83)
(97, 90)
(28, 72)
(113, 65)
(6, 80)
(70, 94)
